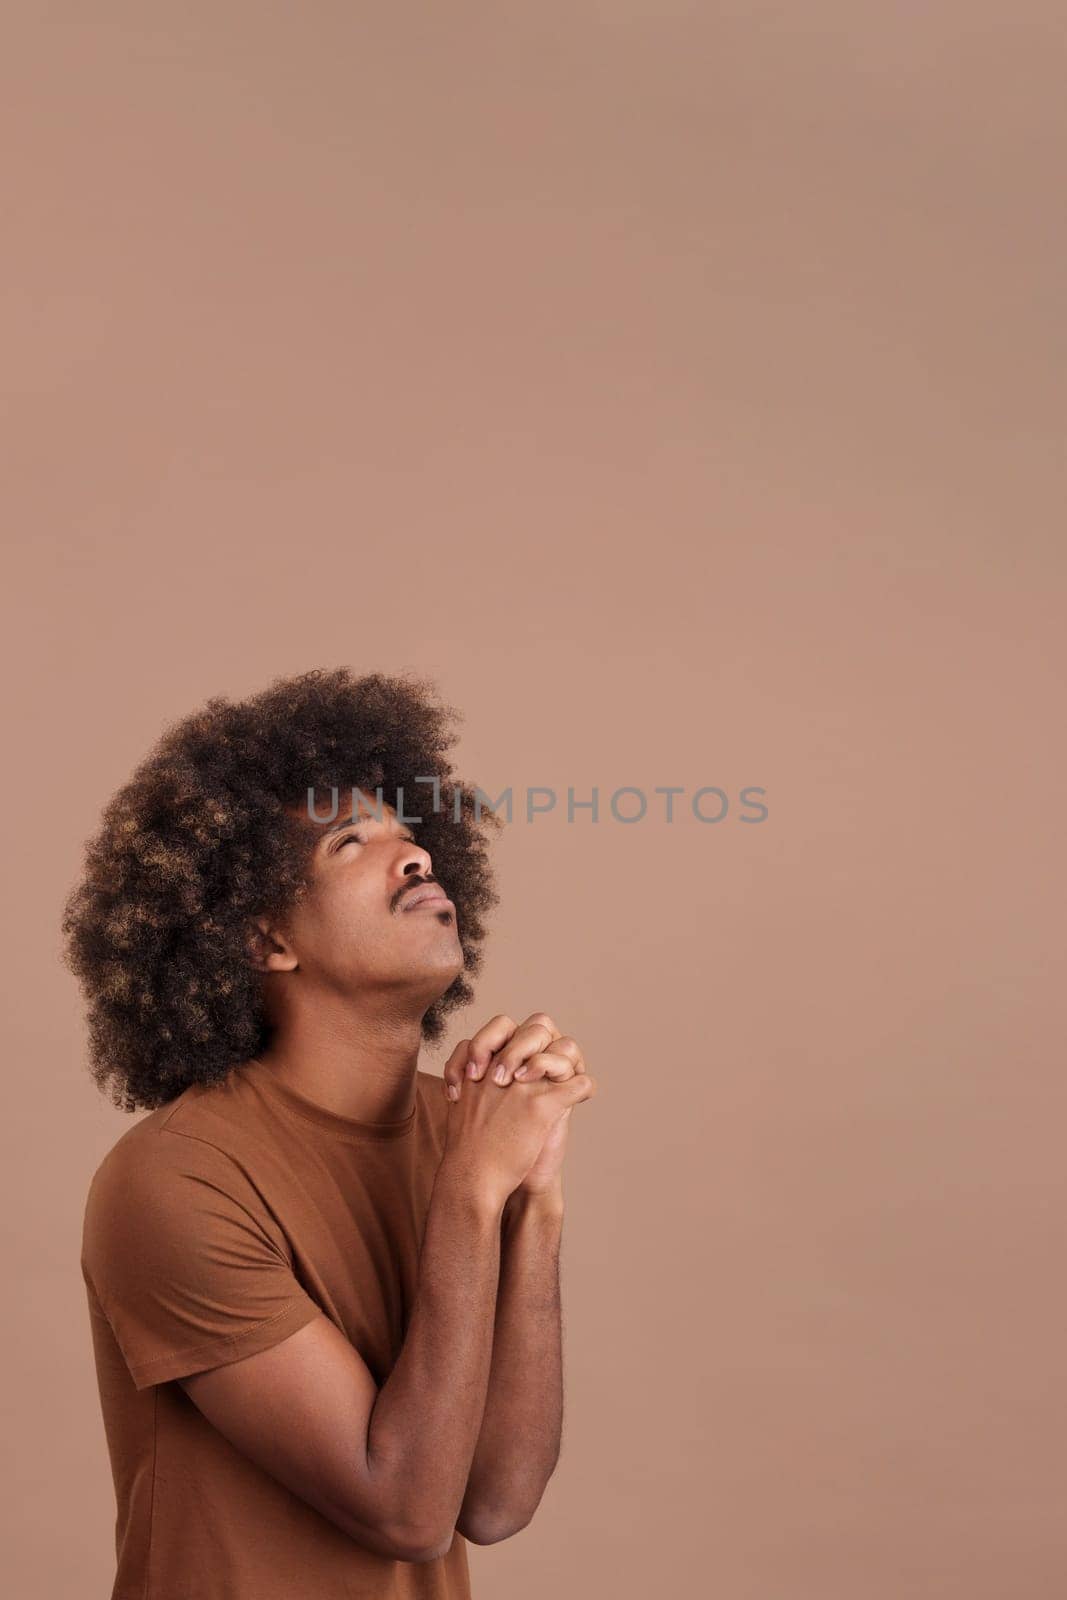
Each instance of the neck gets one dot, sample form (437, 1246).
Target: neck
(355, 1063)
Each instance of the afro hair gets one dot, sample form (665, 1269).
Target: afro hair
(203, 838)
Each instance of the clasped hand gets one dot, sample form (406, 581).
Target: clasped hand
(509, 1051)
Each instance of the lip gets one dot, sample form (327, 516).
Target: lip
(427, 899)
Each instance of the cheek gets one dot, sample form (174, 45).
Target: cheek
(348, 910)
(339, 920)
(357, 924)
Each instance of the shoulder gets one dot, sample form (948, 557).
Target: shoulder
(136, 1148)
(164, 1198)
(160, 1154)
(225, 1117)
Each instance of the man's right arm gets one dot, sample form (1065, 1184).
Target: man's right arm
(390, 1466)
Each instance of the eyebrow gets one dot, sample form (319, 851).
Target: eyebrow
(358, 821)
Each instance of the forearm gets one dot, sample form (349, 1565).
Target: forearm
(518, 1445)
(425, 1422)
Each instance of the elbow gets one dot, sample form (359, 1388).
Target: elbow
(397, 1541)
(479, 1527)
(487, 1528)
(419, 1553)
(422, 1545)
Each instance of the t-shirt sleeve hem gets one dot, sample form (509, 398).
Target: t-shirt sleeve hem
(220, 1352)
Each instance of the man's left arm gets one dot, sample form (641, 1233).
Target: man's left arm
(519, 1442)
(518, 1445)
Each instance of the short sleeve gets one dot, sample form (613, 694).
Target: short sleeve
(189, 1266)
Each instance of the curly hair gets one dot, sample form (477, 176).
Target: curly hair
(203, 838)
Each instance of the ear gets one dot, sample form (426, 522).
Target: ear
(268, 949)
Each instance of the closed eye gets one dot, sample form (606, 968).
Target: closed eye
(357, 838)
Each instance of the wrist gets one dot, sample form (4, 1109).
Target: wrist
(547, 1203)
(457, 1186)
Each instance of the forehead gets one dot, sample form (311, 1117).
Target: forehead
(333, 805)
(324, 817)
(368, 808)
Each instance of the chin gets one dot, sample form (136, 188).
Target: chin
(434, 984)
(442, 963)
(452, 965)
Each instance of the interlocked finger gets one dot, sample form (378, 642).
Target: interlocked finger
(564, 1048)
(545, 1064)
(508, 1051)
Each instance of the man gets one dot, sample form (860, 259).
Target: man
(322, 1283)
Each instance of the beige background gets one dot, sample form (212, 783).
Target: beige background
(682, 386)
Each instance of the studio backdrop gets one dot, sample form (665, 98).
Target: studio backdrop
(678, 388)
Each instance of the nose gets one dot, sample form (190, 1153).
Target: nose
(414, 861)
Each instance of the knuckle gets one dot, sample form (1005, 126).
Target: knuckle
(501, 1020)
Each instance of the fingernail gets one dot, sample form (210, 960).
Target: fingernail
(453, 1091)
(472, 1068)
(520, 1072)
(501, 1073)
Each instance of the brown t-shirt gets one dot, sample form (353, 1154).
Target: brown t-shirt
(214, 1228)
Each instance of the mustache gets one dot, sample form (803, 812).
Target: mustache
(411, 885)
